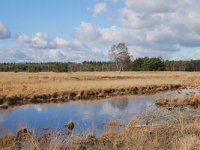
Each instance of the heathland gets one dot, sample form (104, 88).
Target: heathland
(28, 84)
(181, 131)
(23, 88)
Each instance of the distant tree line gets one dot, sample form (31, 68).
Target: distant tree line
(34, 67)
(139, 64)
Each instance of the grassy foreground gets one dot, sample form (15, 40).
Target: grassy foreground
(180, 131)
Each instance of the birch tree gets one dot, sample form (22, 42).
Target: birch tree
(119, 54)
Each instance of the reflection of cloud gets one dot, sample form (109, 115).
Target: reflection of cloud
(38, 108)
(108, 109)
(93, 110)
(88, 112)
(83, 110)
(114, 108)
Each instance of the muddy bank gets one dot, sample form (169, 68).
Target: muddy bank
(58, 97)
(191, 100)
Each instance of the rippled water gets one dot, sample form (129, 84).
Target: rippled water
(87, 115)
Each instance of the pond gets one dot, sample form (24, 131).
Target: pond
(87, 115)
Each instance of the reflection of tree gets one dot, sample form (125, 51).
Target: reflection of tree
(120, 104)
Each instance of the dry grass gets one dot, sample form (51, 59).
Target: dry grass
(189, 100)
(28, 84)
(181, 131)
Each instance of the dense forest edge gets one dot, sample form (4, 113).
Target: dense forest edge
(139, 64)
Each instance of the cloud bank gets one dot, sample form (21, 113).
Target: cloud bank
(149, 28)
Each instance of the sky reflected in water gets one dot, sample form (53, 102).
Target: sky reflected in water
(87, 115)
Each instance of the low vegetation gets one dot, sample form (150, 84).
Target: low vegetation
(59, 97)
(153, 130)
(191, 100)
(177, 128)
(23, 88)
(29, 84)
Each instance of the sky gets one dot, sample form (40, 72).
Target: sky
(84, 30)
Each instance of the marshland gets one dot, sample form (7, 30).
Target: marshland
(99, 75)
(115, 111)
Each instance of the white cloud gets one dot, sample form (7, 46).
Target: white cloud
(60, 41)
(56, 55)
(149, 28)
(99, 8)
(136, 40)
(4, 31)
(165, 26)
(11, 54)
(41, 41)
(74, 55)
(91, 35)
(37, 49)
(138, 21)
(86, 32)
(153, 28)
(152, 6)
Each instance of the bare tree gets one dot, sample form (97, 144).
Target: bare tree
(120, 55)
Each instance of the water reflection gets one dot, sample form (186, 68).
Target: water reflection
(121, 104)
(87, 115)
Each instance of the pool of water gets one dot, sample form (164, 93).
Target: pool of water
(87, 115)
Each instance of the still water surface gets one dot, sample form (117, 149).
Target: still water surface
(87, 115)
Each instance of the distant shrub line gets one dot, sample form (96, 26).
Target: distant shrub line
(139, 64)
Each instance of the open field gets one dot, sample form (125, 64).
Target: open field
(24, 88)
(28, 84)
(179, 132)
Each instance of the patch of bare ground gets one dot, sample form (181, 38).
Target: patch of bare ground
(181, 131)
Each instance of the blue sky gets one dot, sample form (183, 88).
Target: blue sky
(78, 30)
(54, 17)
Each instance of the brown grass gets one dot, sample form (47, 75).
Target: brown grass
(189, 100)
(180, 132)
(28, 84)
